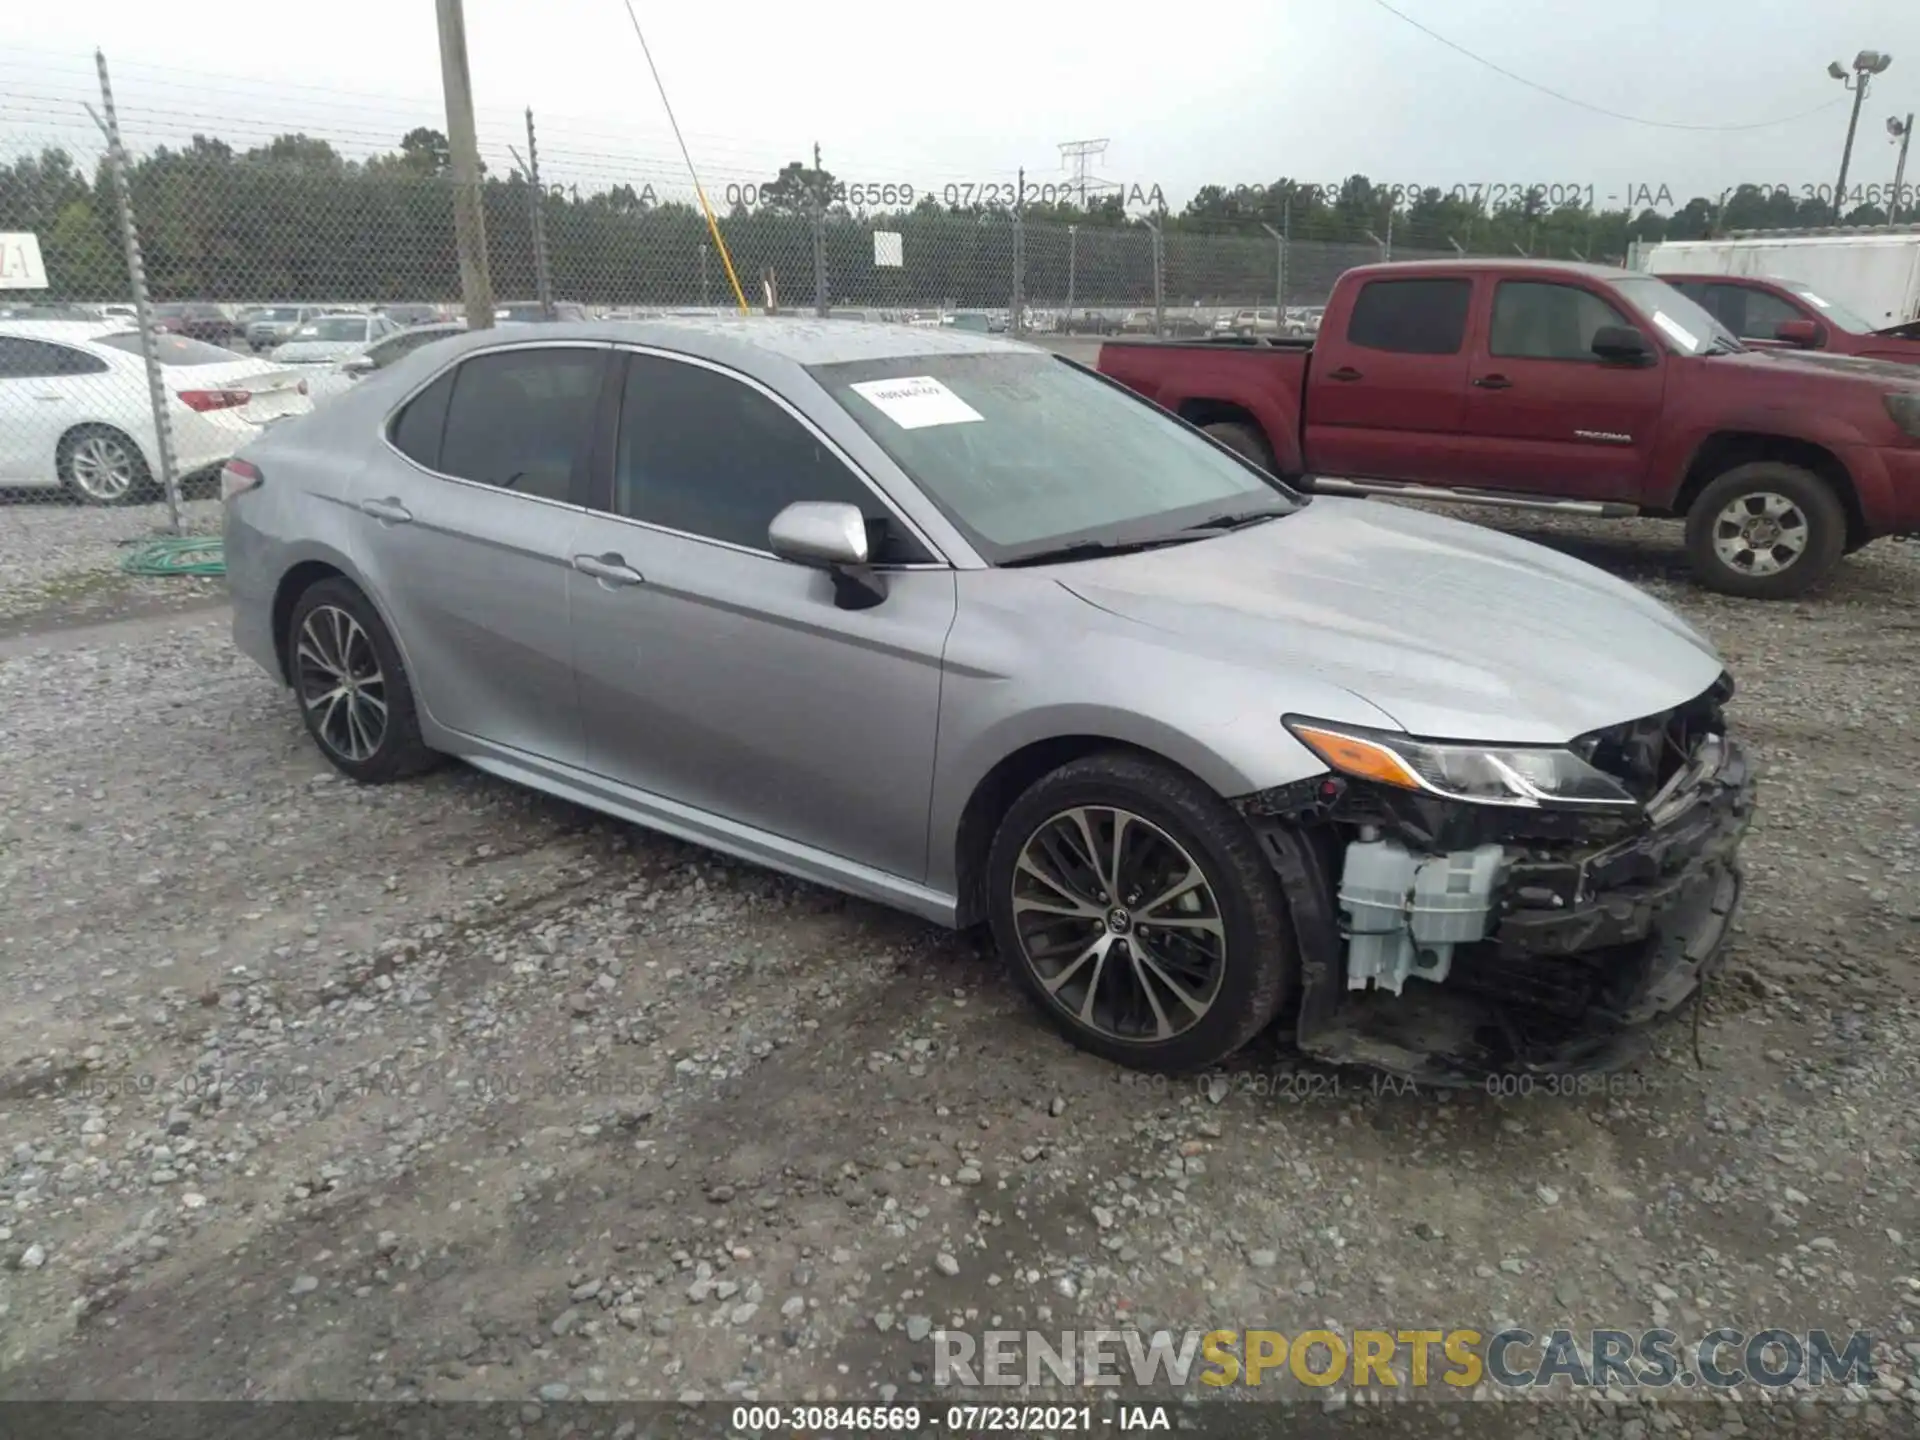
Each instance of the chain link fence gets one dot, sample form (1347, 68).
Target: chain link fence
(209, 276)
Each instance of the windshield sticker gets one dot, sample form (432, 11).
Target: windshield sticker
(1676, 332)
(914, 402)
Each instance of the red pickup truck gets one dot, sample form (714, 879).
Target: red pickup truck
(1764, 310)
(1564, 387)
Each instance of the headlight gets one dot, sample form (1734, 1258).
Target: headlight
(1524, 775)
(1904, 407)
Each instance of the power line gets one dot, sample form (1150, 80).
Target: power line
(1587, 105)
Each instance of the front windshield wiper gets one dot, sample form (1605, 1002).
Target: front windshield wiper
(1236, 519)
(1720, 346)
(1092, 549)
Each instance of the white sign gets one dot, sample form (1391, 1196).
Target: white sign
(1676, 332)
(916, 401)
(888, 249)
(20, 264)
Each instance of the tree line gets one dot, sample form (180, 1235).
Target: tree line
(296, 220)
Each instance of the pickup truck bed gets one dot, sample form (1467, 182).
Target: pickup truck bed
(1565, 387)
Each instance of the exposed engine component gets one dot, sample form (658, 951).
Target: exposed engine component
(1405, 912)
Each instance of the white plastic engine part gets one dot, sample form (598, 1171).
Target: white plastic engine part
(1406, 912)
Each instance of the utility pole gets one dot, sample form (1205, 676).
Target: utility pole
(537, 219)
(1866, 65)
(1901, 130)
(819, 238)
(1077, 153)
(469, 216)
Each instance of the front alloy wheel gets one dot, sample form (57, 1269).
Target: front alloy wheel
(1119, 924)
(341, 684)
(1761, 533)
(1139, 912)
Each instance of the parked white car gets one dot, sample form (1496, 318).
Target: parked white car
(338, 377)
(325, 339)
(74, 408)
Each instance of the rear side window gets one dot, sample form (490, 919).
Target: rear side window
(1412, 317)
(20, 357)
(416, 433)
(522, 419)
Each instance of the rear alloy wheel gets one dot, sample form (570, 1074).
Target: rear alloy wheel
(101, 466)
(1243, 440)
(352, 688)
(1138, 912)
(1766, 531)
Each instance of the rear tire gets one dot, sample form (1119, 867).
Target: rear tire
(1119, 957)
(351, 687)
(1244, 440)
(100, 465)
(1766, 531)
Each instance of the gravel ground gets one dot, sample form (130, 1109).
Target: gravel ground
(448, 1090)
(60, 563)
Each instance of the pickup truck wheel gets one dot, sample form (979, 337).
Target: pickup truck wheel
(1244, 441)
(1139, 913)
(1766, 531)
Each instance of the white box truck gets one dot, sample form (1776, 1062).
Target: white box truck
(1874, 273)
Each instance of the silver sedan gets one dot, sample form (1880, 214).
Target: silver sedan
(947, 622)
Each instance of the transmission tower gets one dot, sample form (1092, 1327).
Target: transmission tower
(1076, 154)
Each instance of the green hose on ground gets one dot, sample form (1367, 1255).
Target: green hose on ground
(185, 555)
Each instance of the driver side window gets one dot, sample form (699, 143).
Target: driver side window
(707, 455)
(1536, 320)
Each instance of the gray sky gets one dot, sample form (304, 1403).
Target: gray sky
(933, 95)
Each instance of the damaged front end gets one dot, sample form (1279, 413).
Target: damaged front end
(1453, 941)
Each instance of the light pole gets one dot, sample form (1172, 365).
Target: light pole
(1866, 65)
(1901, 130)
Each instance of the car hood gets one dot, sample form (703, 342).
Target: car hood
(1871, 366)
(315, 352)
(1454, 630)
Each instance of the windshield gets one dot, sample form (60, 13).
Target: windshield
(335, 327)
(1685, 326)
(278, 312)
(1025, 453)
(1832, 311)
(172, 349)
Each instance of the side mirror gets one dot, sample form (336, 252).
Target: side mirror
(1804, 334)
(357, 364)
(830, 536)
(1621, 345)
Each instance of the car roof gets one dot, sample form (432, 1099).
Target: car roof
(69, 331)
(750, 342)
(1468, 264)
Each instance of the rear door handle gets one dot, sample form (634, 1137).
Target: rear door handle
(608, 569)
(1494, 382)
(55, 398)
(1345, 372)
(387, 512)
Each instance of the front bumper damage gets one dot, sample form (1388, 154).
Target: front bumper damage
(1593, 926)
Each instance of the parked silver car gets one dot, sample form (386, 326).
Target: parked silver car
(943, 621)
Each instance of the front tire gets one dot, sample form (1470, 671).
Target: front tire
(351, 687)
(1138, 912)
(100, 465)
(1766, 531)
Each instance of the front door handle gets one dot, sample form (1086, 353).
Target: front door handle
(387, 512)
(55, 398)
(608, 569)
(1494, 382)
(1345, 372)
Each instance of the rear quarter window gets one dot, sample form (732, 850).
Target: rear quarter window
(417, 429)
